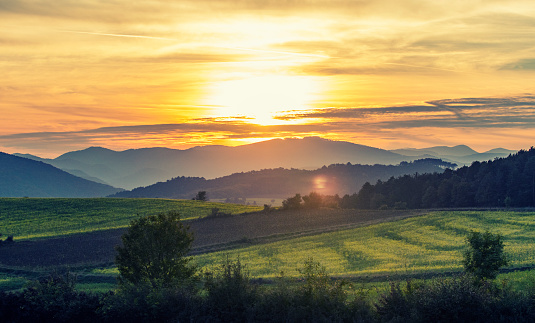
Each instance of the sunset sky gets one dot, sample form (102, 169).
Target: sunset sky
(383, 73)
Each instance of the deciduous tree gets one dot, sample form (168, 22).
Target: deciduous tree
(155, 251)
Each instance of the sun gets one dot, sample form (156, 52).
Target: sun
(261, 97)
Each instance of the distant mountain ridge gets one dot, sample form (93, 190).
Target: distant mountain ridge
(141, 167)
(461, 154)
(21, 177)
(281, 183)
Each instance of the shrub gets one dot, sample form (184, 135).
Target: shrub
(230, 292)
(142, 303)
(55, 299)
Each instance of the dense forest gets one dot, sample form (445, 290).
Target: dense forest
(508, 182)
(280, 182)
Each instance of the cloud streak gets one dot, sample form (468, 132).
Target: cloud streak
(484, 115)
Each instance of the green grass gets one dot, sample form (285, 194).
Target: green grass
(429, 243)
(31, 218)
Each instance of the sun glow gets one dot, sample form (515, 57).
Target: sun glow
(261, 97)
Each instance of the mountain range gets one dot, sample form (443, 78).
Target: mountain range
(142, 167)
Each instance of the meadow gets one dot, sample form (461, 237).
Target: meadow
(33, 218)
(431, 243)
(428, 244)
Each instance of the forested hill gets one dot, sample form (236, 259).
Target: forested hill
(21, 177)
(281, 183)
(502, 182)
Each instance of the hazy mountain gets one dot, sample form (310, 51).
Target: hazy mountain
(461, 154)
(26, 177)
(281, 183)
(460, 150)
(141, 167)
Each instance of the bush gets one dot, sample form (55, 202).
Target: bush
(292, 203)
(142, 303)
(230, 292)
(53, 299)
(456, 299)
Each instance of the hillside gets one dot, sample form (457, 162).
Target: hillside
(25, 177)
(501, 182)
(280, 183)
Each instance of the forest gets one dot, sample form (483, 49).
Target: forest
(502, 182)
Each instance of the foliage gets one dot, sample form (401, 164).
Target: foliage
(155, 251)
(311, 201)
(292, 203)
(502, 182)
(53, 299)
(484, 256)
(228, 295)
(142, 303)
(201, 196)
(230, 292)
(455, 299)
(314, 297)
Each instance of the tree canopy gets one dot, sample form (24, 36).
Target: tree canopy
(154, 250)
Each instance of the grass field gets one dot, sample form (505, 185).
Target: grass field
(429, 243)
(31, 218)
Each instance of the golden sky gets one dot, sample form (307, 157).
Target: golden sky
(383, 73)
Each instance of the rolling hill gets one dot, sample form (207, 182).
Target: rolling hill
(281, 183)
(21, 177)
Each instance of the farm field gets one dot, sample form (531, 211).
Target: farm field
(366, 246)
(33, 218)
(428, 243)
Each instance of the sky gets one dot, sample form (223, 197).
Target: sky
(383, 73)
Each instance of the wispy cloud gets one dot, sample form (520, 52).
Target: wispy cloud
(448, 113)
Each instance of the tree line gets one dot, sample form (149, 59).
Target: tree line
(502, 182)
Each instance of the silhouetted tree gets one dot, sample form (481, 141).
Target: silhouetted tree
(292, 202)
(313, 200)
(201, 196)
(155, 251)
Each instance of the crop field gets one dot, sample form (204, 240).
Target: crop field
(32, 218)
(429, 243)
(375, 251)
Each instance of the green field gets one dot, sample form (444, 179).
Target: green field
(31, 218)
(429, 243)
